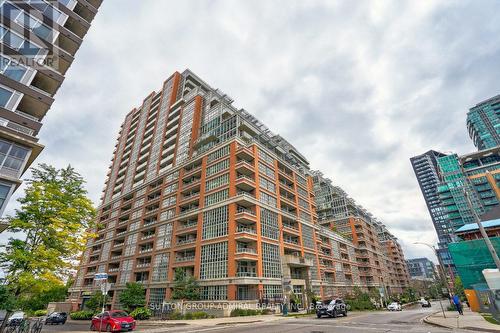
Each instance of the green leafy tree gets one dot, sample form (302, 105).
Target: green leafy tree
(185, 287)
(94, 303)
(52, 227)
(7, 299)
(39, 301)
(134, 296)
(459, 288)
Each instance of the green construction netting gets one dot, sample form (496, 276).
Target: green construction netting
(471, 257)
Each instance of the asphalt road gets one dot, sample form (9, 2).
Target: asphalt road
(408, 321)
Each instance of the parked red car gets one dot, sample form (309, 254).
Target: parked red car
(113, 321)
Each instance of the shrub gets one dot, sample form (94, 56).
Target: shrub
(188, 316)
(451, 307)
(245, 312)
(175, 315)
(141, 313)
(40, 313)
(201, 315)
(81, 315)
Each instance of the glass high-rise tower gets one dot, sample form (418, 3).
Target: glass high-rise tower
(428, 176)
(483, 123)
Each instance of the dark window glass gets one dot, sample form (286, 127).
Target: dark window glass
(15, 72)
(18, 152)
(4, 191)
(4, 96)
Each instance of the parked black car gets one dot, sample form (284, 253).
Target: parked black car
(56, 318)
(331, 308)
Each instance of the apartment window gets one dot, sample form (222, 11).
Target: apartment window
(12, 156)
(269, 224)
(29, 22)
(267, 199)
(213, 261)
(157, 296)
(105, 251)
(224, 151)
(164, 238)
(273, 291)
(305, 216)
(218, 167)
(213, 293)
(217, 182)
(4, 192)
(302, 192)
(18, 43)
(307, 236)
(303, 203)
(160, 267)
(271, 261)
(264, 169)
(267, 184)
(131, 245)
(301, 180)
(5, 95)
(12, 69)
(314, 267)
(266, 157)
(138, 203)
(169, 201)
(168, 214)
(215, 222)
(171, 188)
(215, 197)
(126, 270)
(136, 214)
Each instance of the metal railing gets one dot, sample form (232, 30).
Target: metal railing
(246, 229)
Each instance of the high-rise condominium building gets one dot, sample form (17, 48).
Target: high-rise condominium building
(428, 177)
(39, 39)
(421, 269)
(379, 256)
(198, 185)
(483, 123)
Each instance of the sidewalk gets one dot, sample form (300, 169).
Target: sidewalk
(213, 321)
(470, 321)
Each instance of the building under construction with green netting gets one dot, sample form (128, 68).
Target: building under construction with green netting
(470, 258)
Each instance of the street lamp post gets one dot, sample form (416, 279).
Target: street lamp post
(443, 274)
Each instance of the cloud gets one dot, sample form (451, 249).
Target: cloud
(357, 87)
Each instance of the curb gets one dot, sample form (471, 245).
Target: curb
(427, 321)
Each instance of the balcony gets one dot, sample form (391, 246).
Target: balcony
(241, 249)
(143, 265)
(185, 241)
(245, 168)
(245, 183)
(245, 215)
(188, 224)
(245, 198)
(184, 258)
(244, 153)
(246, 274)
(246, 229)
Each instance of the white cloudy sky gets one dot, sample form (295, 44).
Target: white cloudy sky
(358, 86)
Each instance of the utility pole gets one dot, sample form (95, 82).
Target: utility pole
(481, 229)
(443, 274)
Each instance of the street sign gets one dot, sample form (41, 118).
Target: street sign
(105, 287)
(100, 276)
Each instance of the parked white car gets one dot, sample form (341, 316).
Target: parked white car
(394, 306)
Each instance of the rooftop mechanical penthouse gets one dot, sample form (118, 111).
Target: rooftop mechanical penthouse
(197, 184)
